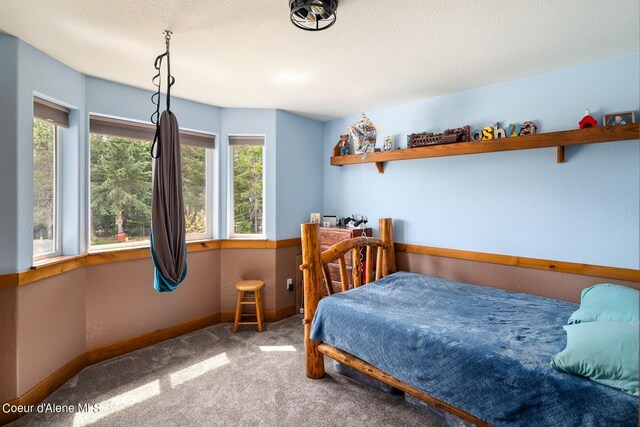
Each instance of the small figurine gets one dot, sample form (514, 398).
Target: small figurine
(344, 145)
(528, 128)
(587, 121)
(388, 143)
(356, 221)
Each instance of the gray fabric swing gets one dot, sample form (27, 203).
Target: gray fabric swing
(168, 236)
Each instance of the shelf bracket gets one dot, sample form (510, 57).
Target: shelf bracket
(560, 154)
(380, 166)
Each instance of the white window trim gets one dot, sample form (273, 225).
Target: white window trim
(210, 194)
(230, 193)
(209, 199)
(57, 223)
(213, 190)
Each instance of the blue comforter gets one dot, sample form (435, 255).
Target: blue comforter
(483, 350)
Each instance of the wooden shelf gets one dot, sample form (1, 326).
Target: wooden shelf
(541, 140)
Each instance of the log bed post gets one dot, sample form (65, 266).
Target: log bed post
(312, 267)
(386, 235)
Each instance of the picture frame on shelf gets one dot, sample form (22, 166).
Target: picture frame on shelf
(315, 218)
(621, 118)
(329, 220)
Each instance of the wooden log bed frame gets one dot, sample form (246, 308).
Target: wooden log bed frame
(316, 276)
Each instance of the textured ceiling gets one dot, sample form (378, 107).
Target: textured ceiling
(379, 53)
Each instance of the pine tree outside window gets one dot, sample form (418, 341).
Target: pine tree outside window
(46, 218)
(121, 183)
(48, 118)
(246, 187)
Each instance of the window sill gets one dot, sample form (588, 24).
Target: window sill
(255, 243)
(42, 269)
(117, 247)
(144, 245)
(248, 237)
(48, 262)
(108, 255)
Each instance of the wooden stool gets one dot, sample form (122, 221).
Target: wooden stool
(249, 286)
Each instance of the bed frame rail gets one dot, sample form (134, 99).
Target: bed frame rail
(372, 371)
(315, 265)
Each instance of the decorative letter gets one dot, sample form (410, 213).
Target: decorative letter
(499, 133)
(528, 128)
(513, 129)
(476, 135)
(487, 133)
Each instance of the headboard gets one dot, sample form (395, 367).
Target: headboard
(316, 274)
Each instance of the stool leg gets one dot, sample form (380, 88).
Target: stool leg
(258, 299)
(261, 309)
(238, 311)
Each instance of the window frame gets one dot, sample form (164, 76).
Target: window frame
(57, 223)
(230, 192)
(208, 203)
(208, 193)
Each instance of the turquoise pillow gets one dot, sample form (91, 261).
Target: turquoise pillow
(608, 303)
(603, 352)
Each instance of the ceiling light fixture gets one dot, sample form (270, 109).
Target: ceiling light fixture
(313, 15)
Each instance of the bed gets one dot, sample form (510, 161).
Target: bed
(480, 353)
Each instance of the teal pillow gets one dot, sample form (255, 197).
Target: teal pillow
(608, 303)
(603, 352)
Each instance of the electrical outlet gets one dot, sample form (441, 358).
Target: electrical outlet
(290, 285)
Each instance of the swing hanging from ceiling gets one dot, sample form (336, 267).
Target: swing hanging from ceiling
(168, 238)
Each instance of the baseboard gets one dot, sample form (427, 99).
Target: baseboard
(50, 384)
(269, 316)
(47, 386)
(128, 345)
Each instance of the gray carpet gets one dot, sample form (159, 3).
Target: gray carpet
(213, 377)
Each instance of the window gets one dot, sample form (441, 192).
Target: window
(45, 190)
(121, 182)
(48, 117)
(120, 190)
(246, 186)
(194, 190)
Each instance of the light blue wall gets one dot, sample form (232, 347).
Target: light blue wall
(39, 74)
(9, 235)
(42, 75)
(249, 121)
(517, 203)
(114, 99)
(299, 172)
